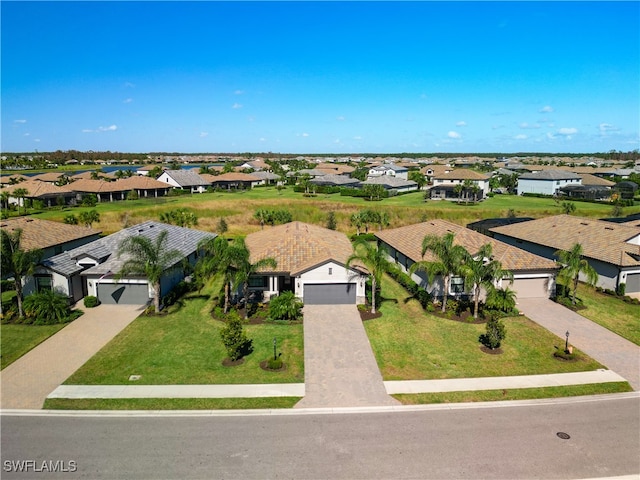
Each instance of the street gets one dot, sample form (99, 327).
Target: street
(506, 440)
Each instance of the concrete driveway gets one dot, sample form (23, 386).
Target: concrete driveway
(613, 351)
(27, 381)
(340, 368)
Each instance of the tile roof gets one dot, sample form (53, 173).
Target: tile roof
(262, 175)
(123, 185)
(40, 234)
(48, 176)
(600, 240)
(333, 179)
(298, 246)
(389, 181)
(554, 174)
(105, 249)
(588, 179)
(39, 189)
(461, 174)
(232, 177)
(186, 178)
(6, 179)
(408, 240)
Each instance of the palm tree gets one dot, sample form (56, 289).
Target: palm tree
(245, 269)
(357, 221)
(482, 271)
(375, 259)
(457, 189)
(503, 299)
(17, 262)
(572, 265)
(21, 194)
(149, 258)
(89, 218)
(449, 261)
(218, 258)
(419, 178)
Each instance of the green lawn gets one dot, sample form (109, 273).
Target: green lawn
(16, 340)
(611, 312)
(169, 403)
(410, 344)
(184, 347)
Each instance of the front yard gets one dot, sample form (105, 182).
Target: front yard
(17, 340)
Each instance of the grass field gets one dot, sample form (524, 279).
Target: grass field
(238, 209)
(16, 340)
(169, 403)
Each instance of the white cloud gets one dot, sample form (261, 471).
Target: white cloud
(236, 106)
(521, 137)
(546, 109)
(127, 100)
(305, 134)
(568, 131)
(262, 139)
(340, 118)
(86, 130)
(461, 123)
(453, 134)
(129, 85)
(36, 139)
(110, 128)
(20, 121)
(606, 127)
(357, 137)
(26, 135)
(204, 134)
(238, 92)
(550, 136)
(526, 125)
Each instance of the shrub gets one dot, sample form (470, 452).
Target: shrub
(274, 363)
(46, 308)
(70, 219)
(285, 306)
(561, 353)
(132, 195)
(90, 301)
(89, 200)
(621, 289)
(235, 338)
(495, 333)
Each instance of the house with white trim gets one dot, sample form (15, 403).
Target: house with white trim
(547, 182)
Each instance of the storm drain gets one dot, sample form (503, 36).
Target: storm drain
(563, 436)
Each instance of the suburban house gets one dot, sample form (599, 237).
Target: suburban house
(444, 185)
(185, 180)
(533, 276)
(233, 180)
(389, 169)
(612, 249)
(431, 171)
(106, 191)
(50, 237)
(311, 263)
(390, 182)
(257, 165)
(90, 269)
(546, 182)
(265, 178)
(334, 180)
(50, 177)
(148, 168)
(335, 169)
(48, 193)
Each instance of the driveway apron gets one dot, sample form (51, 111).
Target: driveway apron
(340, 368)
(613, 351)
(27, 381)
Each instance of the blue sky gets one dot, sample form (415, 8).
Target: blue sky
(321, 77)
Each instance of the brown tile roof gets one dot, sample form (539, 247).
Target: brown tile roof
(437, 169)
(298, 246)
(39, 189)
(49, 177)
(600, 240)
(589, 179)
(37, 233)
(338, 168)
(140, 182)
(6, 179)
(408, 240)
(461, 174)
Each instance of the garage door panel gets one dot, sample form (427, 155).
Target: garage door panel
(123, 293)
(633, 283)
(330, 294)
(530, 287)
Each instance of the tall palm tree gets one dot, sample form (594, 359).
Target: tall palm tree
(219, 258)
(149, 258)
(21, 194)
(245, 269)
(18, 262)
(482, 271)
(449, 261)
(572, 265)
(375, 259)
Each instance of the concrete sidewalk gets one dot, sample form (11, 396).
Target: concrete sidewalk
(27, 381)
(611, 350)
(298, 389)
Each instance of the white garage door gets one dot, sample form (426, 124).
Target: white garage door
(529, 287)
(329, 294)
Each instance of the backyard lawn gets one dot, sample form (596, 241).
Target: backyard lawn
(184, 347)
(16, 340)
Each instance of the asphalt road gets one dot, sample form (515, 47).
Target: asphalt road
(510, 441)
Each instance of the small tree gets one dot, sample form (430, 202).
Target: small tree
(495, 333)
(222, 227)
(46, 308)
(21, 194)
(132, 195)
(89, 200)
(235, 339)
(285, 306)
(70, 219)
(501, 299)
(568, 207)
(90, 217)
(572, 265)
(331, 220)
(375, 260)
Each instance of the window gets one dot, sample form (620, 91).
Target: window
(43, 282)
(257, 282)
(330, 271)
(457, 285)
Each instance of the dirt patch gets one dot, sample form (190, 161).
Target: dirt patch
(495, 351)
(227, 362)
(367, 315)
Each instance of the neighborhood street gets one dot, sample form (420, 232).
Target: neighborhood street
(502, 440)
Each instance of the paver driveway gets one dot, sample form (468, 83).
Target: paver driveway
(340, 368)
(27, 381)
(613, 351)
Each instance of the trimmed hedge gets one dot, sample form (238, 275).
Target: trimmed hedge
(416, 291)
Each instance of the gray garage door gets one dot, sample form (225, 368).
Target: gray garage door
(123, 293)
(529, 287)
(330, 294)
(633, 283)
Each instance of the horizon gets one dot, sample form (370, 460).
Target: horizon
(337, 77)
